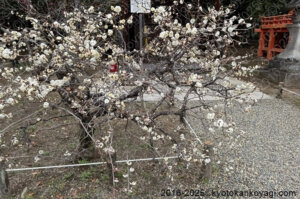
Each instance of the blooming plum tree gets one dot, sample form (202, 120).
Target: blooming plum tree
(69, 57)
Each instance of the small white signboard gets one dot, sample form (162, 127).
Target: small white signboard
(140, 6)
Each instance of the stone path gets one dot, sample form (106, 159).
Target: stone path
(211, 97)
(268, 158)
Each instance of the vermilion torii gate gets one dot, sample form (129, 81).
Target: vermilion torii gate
(274, 27)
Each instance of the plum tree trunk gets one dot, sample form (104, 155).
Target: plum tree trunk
(86, 147)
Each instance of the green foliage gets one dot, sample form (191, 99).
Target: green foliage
(120, 174)
(68, 175)
(104, 177)
(259, 8)
(86, 175)
(83, 161)
(54, 8)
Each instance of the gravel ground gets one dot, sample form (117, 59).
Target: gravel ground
(266, 156)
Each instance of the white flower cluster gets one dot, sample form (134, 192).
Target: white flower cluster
(59, 82)
(81, 52)
(116, 9)
(8, 54)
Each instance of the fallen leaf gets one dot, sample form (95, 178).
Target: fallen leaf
(74, 193)
(39, 183)
(35, 173)
(33, 144)
(59, 197)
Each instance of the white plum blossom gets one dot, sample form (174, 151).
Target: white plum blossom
(117, 9)
(131, 169)
(7, 54)
(164, 34)
(230, 29)
(67, 153)
(161, 9)
(207, 161)
(99, 144)
(234, 64)
(210, 116)
(15, 141)
(241, 21)
(67, 29)
(91, 9)
(199, 85)
(133, 183)
(45, 90)
(210, 29)
(194, 31)
(219, 123)
(46, 105)
(10, 101)
(175, 43)
(36, 159)
(95, 54)
(58, 83)
(56, 24)
(129, 163)
(129, 21)
(116, 180)
(229, 130)
(182, 137)
(108, 16)
(211, 130)
(110, 32)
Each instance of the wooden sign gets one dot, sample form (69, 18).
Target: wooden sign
(140, 6)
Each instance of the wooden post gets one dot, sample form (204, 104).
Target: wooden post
(4, 182)
(262, 40)
(208, 161)
(280, 90)
(271, 44)
(125, 14)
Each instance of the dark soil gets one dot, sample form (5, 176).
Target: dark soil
(56, 136)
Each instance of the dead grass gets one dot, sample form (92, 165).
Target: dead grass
(88, 182)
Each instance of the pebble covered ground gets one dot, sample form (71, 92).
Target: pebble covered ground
(267, 156)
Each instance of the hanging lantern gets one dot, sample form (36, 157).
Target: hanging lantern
(113, 68)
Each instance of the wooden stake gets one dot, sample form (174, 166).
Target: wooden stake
(4, 182)
(280, 90)
(209, 156)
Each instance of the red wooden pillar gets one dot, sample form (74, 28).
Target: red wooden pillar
(262, 39)
(271, 44)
